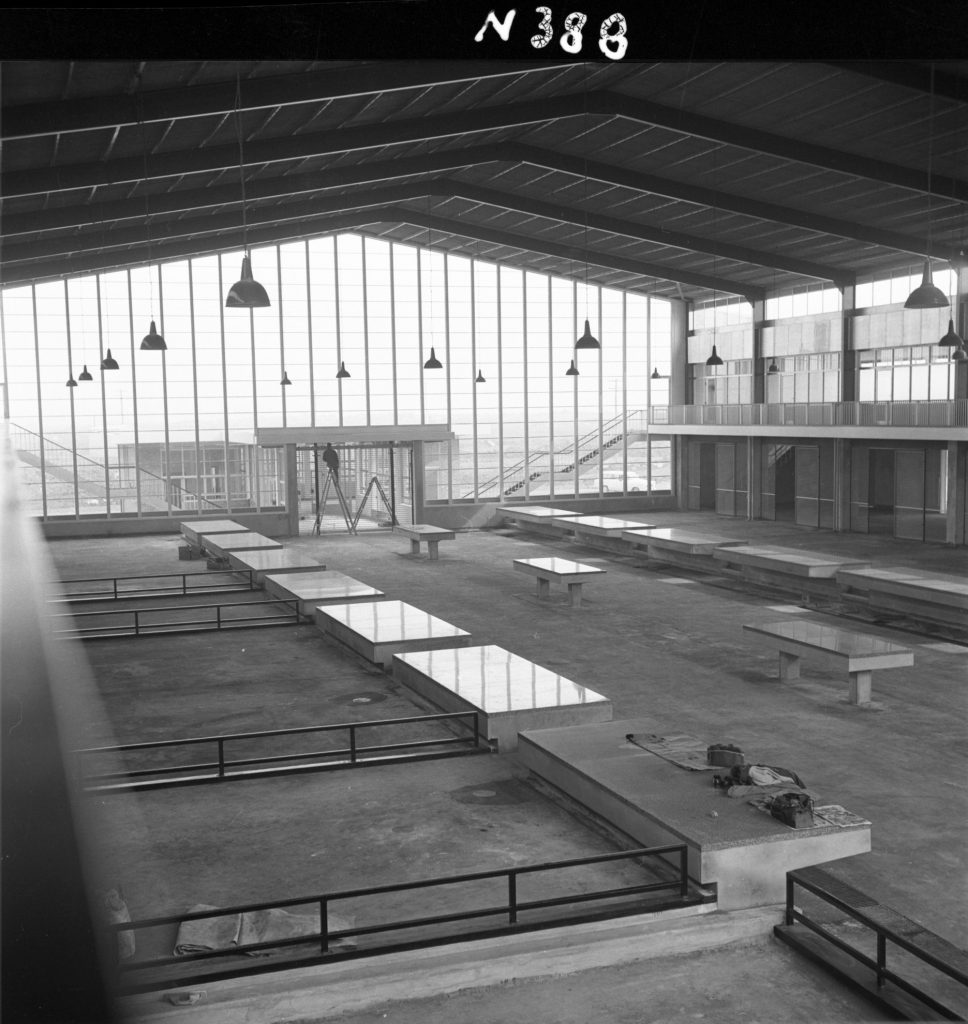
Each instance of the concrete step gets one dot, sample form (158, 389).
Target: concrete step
(348, 986)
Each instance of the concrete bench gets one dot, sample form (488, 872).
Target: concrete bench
(510, 692)
(558, 570)
(542, 519)
(602, 527)
(194, 529)
(220, 544)
(861, 652)
(432, 535)
(934, 596)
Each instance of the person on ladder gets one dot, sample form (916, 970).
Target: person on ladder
(331, 458)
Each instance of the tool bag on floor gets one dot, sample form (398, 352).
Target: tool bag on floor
(764, 775)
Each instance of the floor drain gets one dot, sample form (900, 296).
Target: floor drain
(362, 700)
(359, 698)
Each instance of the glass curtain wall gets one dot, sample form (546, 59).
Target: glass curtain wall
(172, 431)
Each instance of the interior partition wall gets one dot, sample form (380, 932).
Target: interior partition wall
(172, 431)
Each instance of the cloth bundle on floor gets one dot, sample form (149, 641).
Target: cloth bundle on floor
(227, 931)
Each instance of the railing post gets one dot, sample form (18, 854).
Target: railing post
(221, 759)
(184, 577)
(137, 624)
(789, 898)
(512, 897)
(323, 925)
(352, 744)
(683, 871)
(115, 587)
(218, 617)
(881, 958)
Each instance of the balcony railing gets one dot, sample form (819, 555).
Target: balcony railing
(817, 414)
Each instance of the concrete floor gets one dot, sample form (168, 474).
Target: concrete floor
(661, 643)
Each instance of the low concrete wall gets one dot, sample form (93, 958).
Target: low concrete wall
(270, 524)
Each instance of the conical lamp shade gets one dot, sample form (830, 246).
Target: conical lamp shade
(656, 375)
(85, 374)
(71, 383)
(926, 296)
(773, 368)
(479, 379)
(109, 362)
(342, 373)
(285, 382)
(433, 363)
(952, 339)
(153, 341)
(572, 370)
(714, 359)
(587, 340)
(959, 355)
(246, 293)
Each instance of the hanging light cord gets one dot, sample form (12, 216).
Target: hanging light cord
(238, 132)
(144, 159)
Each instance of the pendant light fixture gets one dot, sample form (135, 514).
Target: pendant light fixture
(246, 293)
(714, 359)
(656, 375)
(71, 383)
(952, 339)
(433, 363)
(926, 295)
(109, 362)
(572, 370)
(152, 341)
(773, 368)
(587, 340)
(479, 379)
(342, 373)
(285, 382)
(85, 374)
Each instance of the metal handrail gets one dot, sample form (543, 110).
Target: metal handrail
(884, 934)
(511, 909)
(116, 594)
(182, 624)
(354, 754)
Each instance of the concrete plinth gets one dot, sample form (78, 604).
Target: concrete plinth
(744, 852)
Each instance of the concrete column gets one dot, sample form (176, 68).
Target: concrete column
(754, 474)
(848, 361)
(292, 491)
(957, 472)
(418, 482)
(842, 454)
(759, 388)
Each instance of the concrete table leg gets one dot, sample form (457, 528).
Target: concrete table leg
(789, 666)
(544, 588)
(414, 547)
(432, 549)
(860, 687)
(574, 592)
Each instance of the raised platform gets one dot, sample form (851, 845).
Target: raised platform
(192, 529)
(787, 561)
(543, 519)
(604, 526)
(220, 544)
(274, 560)
(744, 852)
(324, 586)
(680, 547)
(933, 596)
(377, 630)
(511, 692)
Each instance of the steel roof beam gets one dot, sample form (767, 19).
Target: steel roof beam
(198, 245)
(484, 119)
(97, 113)
(415, 192)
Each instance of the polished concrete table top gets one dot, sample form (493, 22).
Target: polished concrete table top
(425, 530)
(790, 560)
(380, 629)
(843, 642)
(562, 570)
(603, 526)
(223, 543)
(273, 560)
(535, 511)
(192, 529)
(511, 692)
(323, 586)
(495, 680)
(684, 541)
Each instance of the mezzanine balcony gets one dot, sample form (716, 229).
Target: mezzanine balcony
(938, 420)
